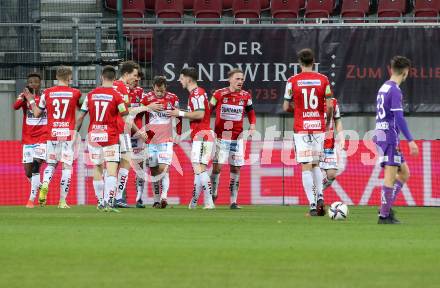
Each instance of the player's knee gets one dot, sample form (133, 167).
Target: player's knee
(235, 169)
(216, 169)
(28, 170)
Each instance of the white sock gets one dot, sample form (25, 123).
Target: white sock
(307, 179)
(233, 186)
(140, 184)
(35, 185)
(98, 186)
(196, 190)
(110, 190)
(66, 177)
(48, 173)
(205, 183)
(156, 190)
(122, 182)
(165, 185)
(214, 181)
(317, 180)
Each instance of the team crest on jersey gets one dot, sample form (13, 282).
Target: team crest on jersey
(225, 100)
(169, 107)
(241, 102)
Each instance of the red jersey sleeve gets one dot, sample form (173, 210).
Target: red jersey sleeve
(327, 88)
(19, 103)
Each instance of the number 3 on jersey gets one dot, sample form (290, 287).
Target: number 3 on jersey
(57, 106)
(310, 100)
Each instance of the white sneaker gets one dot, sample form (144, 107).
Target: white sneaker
(209, 207)
(192, 205)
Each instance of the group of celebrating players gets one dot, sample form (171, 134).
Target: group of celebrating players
(118, 140)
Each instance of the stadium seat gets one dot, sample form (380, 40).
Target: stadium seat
(188, 4)
(110, 4)
(285, 9)
(391, 8)
(169, 9)
(227, 4)
(355, 9)
(207, 9)
(133, 9)
(149, 4)
(319, 8)
(426, 8)
(265, 4)
(246, 9)
(142, 47)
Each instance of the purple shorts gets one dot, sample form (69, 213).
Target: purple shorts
(390, 155)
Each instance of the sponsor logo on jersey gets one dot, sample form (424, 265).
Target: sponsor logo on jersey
(306, 83)
(231, 112)
(382, 126)
(104, 97)
(61, 94)
(312, 124)
(60, 132)
(98, 137)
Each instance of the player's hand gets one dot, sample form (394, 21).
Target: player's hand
(413, 149)
(141, 134)
(252, 130)
(28, 95)
(156, 106)
(173, 113)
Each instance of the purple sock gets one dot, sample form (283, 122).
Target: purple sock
(397, 188)
(387, 201)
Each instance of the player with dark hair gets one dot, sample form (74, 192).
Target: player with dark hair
(201, 135)
(34, 136)
(160, 137)
(231, 105)
(389, 123)
(60, 103)
(104, 105)
(129, 71)
(307, 95)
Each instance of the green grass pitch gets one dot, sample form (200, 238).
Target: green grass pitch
(258, 246)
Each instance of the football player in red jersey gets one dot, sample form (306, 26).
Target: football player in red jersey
(308, 95)
(128, 74)
(34, 136)
(231, 104)
(202, 136)
(105, 105)
(160, 137)
(329, 160)
(60, 103)
(138, 145)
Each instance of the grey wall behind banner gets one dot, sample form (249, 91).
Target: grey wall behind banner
(356, 60)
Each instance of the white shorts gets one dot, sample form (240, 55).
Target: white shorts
(161, 153)
(201, 152)
(31, 151)
(125, 143)
(308, 147)
(98, 154)
(139, 149)
(229, 151)
(329, 160)
(60, 151)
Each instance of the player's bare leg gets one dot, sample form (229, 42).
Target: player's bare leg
(215, 178)
(330, 177)
(98, 185)
(234, 184)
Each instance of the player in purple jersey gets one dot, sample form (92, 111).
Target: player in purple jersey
(389, 123)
